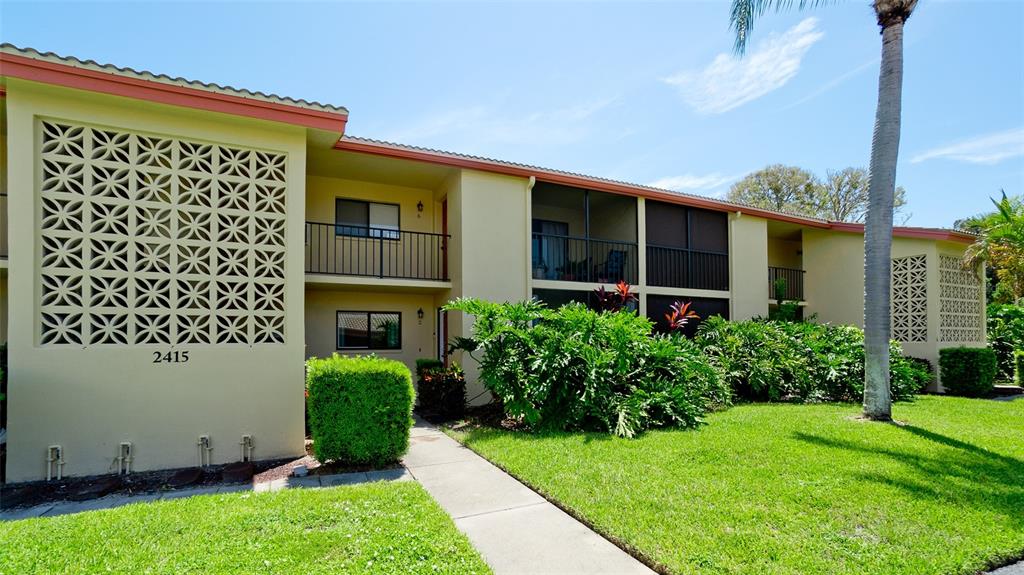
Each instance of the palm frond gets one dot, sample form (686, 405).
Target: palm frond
(744, 12)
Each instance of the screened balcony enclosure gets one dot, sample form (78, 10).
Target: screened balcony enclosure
(583, 236)
(687, 247)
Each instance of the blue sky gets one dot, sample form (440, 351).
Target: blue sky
(644, 92)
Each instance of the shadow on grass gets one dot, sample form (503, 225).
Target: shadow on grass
(962, 474)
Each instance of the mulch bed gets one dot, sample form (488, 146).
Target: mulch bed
(140, 483)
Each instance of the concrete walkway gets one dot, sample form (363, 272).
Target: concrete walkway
(516, 530)
(1015, 569)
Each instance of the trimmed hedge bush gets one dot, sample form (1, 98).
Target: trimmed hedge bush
(575, 368)
(968, 371)
(1005, 335)
(786, 361)
(1018, 368)
(360, 409)
(441, 392)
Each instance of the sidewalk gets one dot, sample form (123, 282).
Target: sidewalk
(516, 530)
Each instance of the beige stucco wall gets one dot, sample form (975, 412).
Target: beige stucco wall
(748, 267)
(418, 336)
(3, 306)
(322, 191)
(785, 253)
(834, 284)
(490, 255)
(89, 399)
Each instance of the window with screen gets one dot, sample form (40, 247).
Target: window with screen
(369, 330)
(366, 219)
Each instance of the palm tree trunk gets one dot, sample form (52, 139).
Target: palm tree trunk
(878, 226)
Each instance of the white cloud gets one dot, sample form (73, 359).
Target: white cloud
(493, 125)
(729, 81)
(709, 184)
(986, 149)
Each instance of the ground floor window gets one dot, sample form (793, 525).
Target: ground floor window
(369, 330)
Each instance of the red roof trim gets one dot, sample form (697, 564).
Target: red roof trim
(565, 179)
(909, 232)
(542, 174)
(92, 80)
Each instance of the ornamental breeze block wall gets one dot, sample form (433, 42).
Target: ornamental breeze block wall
(146, 239)
(960, 314)
(910, 299)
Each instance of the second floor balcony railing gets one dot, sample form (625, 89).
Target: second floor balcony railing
(794, 282)
(683, 268)
(569, 258)
(338, 249)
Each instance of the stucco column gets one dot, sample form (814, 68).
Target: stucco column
(748, 266)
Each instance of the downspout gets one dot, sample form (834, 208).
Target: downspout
(528, 278)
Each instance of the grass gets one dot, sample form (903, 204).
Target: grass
(373, 528)
(795, 488)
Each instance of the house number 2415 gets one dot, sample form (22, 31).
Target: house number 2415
(170, 357)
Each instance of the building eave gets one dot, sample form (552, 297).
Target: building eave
(82, 78)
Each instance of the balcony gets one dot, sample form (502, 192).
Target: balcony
(375, 252)
(580, 259)
(682, 268)
(794, 283)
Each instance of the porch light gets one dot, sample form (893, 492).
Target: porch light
(419, 313)
(419, 206)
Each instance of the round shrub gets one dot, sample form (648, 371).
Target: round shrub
(968, 371)
(360, 409)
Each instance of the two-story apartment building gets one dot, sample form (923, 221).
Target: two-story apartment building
(172, 251)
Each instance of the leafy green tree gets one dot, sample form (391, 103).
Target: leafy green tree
(885, 144)
(780, 188)
(842, 196)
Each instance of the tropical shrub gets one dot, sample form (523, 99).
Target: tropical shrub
(360, 409)
(440, 390)
(968, 371)
(1005, 335)
(575, 368)
(424, 364)
(786, 361)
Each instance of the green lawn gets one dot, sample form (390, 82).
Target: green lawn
(374, 528)
(796, 488)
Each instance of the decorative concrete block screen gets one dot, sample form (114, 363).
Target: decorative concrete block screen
(147, 239)
(910, 299)
(960, 313)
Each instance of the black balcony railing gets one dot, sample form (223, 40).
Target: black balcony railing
(3, 225)
(568, 258)
(375, 252)
(794, 279)
(682, 268)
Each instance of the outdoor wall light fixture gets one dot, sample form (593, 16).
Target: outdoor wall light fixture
(419, 313)
(419, 206)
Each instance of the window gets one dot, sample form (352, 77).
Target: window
(369, 330)
(365, 219)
